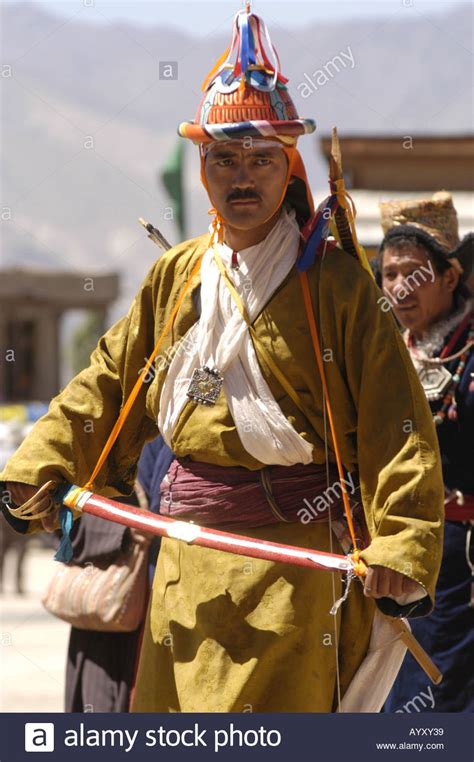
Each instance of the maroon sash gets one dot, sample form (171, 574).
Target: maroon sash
(221, 496)
(456, 512)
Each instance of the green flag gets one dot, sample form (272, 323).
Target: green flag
(172, 179)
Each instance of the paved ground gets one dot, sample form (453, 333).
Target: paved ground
(33, 644)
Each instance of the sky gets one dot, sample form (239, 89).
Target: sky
(196, 16)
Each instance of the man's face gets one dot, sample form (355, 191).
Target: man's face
(246, 183)
(419, 295)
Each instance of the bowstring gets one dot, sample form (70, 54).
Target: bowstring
(326, 453)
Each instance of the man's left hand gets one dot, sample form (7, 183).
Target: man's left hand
(381, 582)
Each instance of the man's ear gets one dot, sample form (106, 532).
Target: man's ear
(451, 278)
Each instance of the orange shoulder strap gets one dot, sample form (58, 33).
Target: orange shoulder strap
(360, 567)
(134, 393)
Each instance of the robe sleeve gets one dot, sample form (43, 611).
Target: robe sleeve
(66, 442)
(398, 456)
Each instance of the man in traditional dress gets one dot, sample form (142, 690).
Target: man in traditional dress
(243, 406)
(424, 270)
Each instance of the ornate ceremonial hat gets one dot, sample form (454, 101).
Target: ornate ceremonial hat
(245, 93)
(436, 216)
(246, 96)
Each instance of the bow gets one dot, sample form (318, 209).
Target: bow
(87, 502)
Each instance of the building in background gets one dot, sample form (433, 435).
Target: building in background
(382, 168)
(32, 304)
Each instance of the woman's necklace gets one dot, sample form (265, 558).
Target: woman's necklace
(436, 380)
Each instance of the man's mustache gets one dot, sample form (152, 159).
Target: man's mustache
(243, 195)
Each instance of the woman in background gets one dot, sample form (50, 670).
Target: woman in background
(424, 271)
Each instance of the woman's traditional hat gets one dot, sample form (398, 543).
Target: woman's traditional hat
(245, 93)
(434, 223)
(436, 216)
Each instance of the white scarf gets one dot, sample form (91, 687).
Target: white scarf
(221, 339)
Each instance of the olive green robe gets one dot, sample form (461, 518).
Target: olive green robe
(220, 635)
